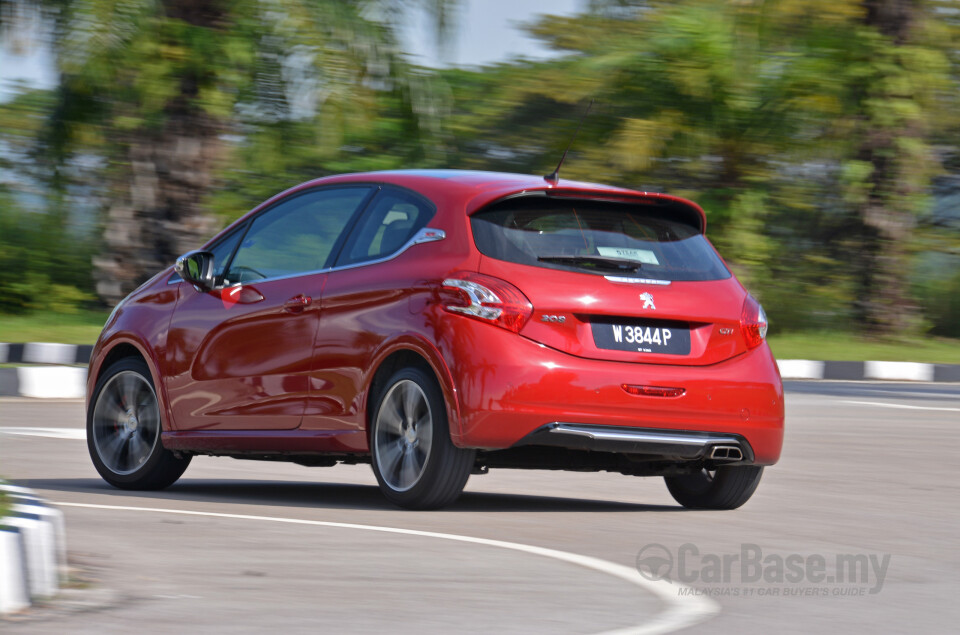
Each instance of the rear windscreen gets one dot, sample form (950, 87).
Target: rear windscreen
(631, 240)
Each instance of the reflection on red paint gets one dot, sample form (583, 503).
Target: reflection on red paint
(232, 296)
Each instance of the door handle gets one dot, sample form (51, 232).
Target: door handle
(297, 303)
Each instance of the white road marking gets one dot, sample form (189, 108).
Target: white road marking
(949, 396)
(179, 597)
(78, 434)
(899, 405)
(43, 400)
(682, 610)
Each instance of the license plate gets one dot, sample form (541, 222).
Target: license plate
(642, 337)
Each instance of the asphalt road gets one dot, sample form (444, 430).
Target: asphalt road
(866, 474)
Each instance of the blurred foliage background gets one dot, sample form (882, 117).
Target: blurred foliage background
(821, 136)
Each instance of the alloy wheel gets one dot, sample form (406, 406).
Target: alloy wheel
(403, 435)
(126, 423)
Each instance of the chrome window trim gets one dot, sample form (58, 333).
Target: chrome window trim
(638, 280)
(425, 235)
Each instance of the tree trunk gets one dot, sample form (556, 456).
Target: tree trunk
(883, 303)
(156, 211)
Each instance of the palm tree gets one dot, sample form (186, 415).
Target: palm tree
(159, 86)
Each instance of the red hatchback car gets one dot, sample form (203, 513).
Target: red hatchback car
(439, 323)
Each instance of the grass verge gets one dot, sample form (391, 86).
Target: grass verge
(77, 328)
(836, 346)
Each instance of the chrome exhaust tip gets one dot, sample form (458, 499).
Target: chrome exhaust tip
(726, 453)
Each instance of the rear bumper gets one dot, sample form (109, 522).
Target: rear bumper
(509, 387)
(658, 444)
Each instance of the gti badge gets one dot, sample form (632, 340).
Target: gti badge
(648, 301)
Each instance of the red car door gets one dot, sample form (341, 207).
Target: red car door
(366, 300)
(239, 357)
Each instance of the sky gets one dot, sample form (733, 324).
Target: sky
(23, 58)
(486, 32)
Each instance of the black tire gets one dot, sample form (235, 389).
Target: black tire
(729, 487)
(123, 430)
(413, 458)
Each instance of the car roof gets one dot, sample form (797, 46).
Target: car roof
(477, 189)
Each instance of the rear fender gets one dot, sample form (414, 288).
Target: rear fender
(419, 345)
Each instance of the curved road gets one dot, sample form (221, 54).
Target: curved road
(854, 530)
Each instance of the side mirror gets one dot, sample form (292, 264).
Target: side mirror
(196, 268)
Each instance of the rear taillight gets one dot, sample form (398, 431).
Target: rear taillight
(487, 298)
(753, 322)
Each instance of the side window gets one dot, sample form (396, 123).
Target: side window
(296, 236)
(391, 220)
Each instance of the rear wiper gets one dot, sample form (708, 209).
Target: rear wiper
(607, 262)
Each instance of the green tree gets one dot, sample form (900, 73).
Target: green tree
(893, 90)
(45, 246)
(159, 86)
(802, 126)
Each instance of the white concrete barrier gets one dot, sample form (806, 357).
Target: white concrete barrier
(57, 382)
(14, 592)
(31, 504)
(800, 368)
(903, 371)
(54, 565)
(39, 551)
(33, 554)
(49, 353)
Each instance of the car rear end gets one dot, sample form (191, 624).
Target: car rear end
(604, 332)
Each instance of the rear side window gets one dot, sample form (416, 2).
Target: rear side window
(390, 221)
(640, 241)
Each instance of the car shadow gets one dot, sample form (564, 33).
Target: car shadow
(325, 496)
